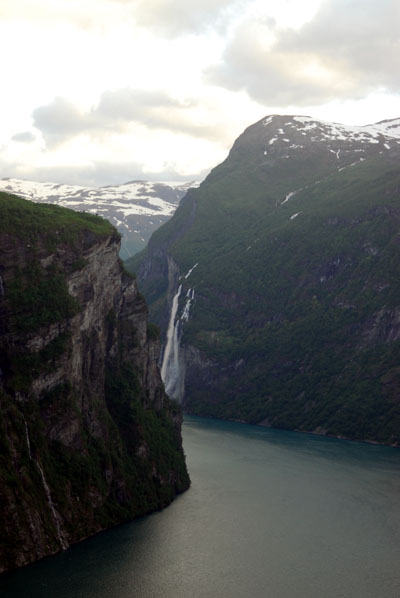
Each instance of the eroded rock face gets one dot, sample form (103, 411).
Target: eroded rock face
(88, 436)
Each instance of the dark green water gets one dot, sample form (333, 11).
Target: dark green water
(270, 514)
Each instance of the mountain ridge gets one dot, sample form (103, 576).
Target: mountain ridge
(295, 237)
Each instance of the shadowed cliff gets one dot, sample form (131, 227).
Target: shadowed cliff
(88, 437)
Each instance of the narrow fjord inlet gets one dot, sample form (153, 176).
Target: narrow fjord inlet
(270, 514)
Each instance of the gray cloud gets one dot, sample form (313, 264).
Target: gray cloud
(61, 120)
(24, 137)
(348, 50)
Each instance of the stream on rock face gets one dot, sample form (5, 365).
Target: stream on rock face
(270, 514)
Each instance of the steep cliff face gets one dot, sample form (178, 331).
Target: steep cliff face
(290, 318)
(88, 436)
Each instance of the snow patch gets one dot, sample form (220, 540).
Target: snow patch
(364, 134)
(351, 165)
(290, 195)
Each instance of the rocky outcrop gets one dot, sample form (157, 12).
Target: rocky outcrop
(88, 437)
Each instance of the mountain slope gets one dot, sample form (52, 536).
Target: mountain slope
(88, 437)
(136, 208)
(291, 315)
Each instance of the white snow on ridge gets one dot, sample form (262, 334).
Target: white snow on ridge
(268, 120)
(362, 137)
(366, 133)
(137, 197)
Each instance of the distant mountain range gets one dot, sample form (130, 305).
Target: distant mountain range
(277, 281)
(136, 208)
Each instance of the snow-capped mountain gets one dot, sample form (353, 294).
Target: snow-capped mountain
(290, 315)
(331, 131)
(136, 208)
(299, 132)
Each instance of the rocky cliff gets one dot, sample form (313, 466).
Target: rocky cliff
(284, 270)
(88, 437)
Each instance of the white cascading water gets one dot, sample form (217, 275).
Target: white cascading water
(56, 517)
(28, 442)
(171, 368)
(170, 364)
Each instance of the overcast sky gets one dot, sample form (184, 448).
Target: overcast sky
(99, 92)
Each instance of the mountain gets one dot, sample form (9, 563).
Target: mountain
(282, 276)
(136, 208)
(88, 437)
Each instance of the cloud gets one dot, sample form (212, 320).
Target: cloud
(24, 137)
(175, 17)
(61, 120)
(347, 51)
(96, 174)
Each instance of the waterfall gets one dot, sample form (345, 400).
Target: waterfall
(186, 309)
(170, 364)
(171, 370)
(190, 271)
(56, 517)
(28, 442)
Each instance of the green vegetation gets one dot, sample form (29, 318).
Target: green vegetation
(23, 219)
(38, 293)
(39, 297)
(156, 434)
(298, 315)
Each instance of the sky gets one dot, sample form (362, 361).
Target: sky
(100, 92)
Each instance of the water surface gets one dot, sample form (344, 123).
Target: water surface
(270, 514)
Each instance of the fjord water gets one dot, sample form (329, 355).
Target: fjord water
(270, 514)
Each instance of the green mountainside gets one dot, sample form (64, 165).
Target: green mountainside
(291, 317)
